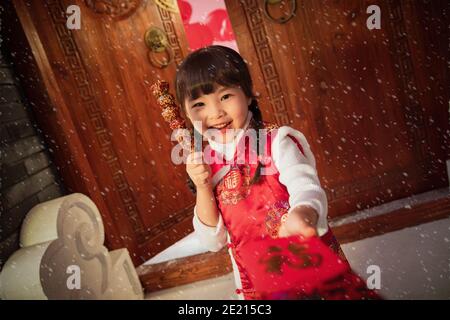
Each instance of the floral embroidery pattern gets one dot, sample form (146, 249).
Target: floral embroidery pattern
(275, 216)
(235, 186)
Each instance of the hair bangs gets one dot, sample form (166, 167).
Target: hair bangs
(203, 70)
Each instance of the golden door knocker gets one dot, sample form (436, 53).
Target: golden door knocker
(282, 19)
(156, 40)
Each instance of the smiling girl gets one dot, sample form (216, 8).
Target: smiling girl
(239, 201)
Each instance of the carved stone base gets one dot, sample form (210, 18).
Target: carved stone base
(63, 257)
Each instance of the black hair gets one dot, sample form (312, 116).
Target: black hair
(202, 69)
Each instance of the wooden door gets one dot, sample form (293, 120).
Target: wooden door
(373, 104)
(91, 94)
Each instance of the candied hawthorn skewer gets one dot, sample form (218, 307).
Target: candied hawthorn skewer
(171, 113)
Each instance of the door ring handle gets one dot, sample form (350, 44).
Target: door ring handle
(156, 41)
(282, 19)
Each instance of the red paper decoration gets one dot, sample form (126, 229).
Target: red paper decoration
(297, 268)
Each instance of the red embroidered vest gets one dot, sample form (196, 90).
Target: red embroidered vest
(250, 210)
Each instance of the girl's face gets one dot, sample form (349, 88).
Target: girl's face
(226, 108)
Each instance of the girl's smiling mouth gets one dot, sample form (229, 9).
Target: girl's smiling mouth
(221, 126)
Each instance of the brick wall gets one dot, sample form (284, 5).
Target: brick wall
(27, 175)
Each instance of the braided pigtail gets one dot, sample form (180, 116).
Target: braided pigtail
(258, 124)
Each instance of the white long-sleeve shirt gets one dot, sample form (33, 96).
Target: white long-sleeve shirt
(297, 171)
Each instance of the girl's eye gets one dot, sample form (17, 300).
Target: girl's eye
(198, 104)
(226, 96)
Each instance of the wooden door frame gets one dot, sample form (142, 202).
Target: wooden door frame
(50, 107)
(279, 107)
(53, 114)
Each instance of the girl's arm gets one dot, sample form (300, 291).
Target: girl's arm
(206, 206)
(297, 167)
(207, 221)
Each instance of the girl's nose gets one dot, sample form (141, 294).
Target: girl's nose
(216, 111)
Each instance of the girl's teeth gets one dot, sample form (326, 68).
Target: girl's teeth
(222, 126)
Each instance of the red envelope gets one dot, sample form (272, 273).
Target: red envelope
(297, 268)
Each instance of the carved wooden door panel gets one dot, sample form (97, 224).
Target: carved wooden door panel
(110, 140)
(372, 103)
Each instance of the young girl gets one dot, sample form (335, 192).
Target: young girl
(237, 202)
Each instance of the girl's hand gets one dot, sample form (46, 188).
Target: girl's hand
(301, 221)
(199, 172)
